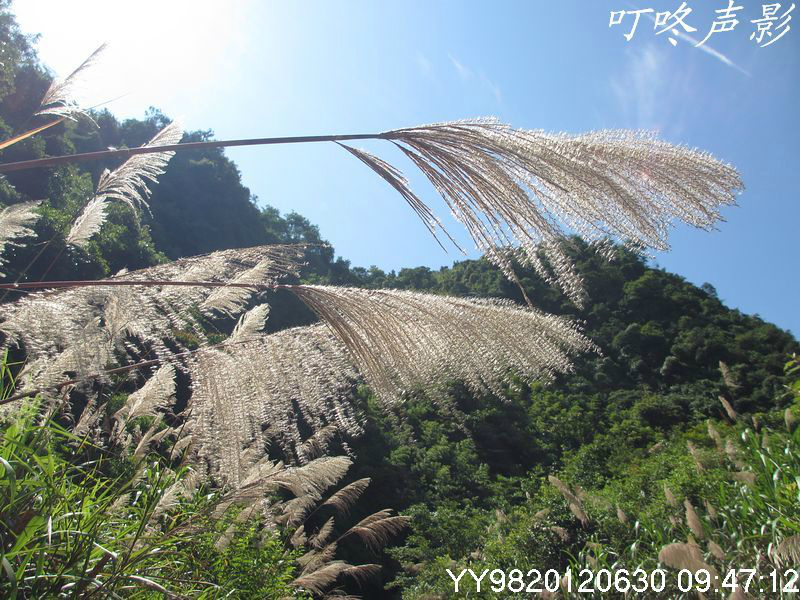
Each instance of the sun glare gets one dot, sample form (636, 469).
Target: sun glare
(159, 53)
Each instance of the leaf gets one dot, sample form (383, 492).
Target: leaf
(10, 575)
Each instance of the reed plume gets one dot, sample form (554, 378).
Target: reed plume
(259, 391)
(127, 183)
(80, 331)
(789, 419)
(716, 550)
(512, 187)
(401, 340)
(157, 393)
(58, 99)
(693, 520)
(15, 222)
(670, 497)
(787, 552)
(729, 410)
(684, 556)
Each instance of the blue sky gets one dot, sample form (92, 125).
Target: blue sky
(293, 68)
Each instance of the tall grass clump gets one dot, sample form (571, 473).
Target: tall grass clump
(80, 520)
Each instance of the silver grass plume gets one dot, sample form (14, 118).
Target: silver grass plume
(579, 513)
(728, 377)
(229, 300)
(89, 418)
(312, 479)
(255, 497)
(315, 477)
(323, 535)
(684, 556)
(789, 419)
(377, 529)
(714, 435)
(344, 499)
(318, 557)
(255, 392)
(787, 552)
(83, 330)
(756, 422)
(360, 573)
(746, 477)
(58, 99)
(15, 222)
(674, 521)
(401, 340)
(729, 410)
(399, 182)
(88, 222)
(127, 183)
(529, 189)
(716, 550)
(698, 464)
(318, 581)
(693, 520)
(316, 445)
(152, 437)
(733, 454)
(564, 489)
(262, 477)
(671, 499)
(157, 393)
(621, 516)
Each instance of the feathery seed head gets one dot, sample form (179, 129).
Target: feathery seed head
(82, 330)
(512, 187)
(401, 340)
(58, 99)
(15, 222)
(127, 183)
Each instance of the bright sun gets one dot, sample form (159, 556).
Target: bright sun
(159, 53)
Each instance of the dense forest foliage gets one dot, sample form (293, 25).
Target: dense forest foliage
(471, 472)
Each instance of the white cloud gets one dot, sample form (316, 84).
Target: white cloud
(680, 34)
(468, 75)
(638, 89)
(462, 71)
(652, 91)
(709, 50)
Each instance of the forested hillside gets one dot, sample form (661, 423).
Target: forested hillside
(471, 471)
